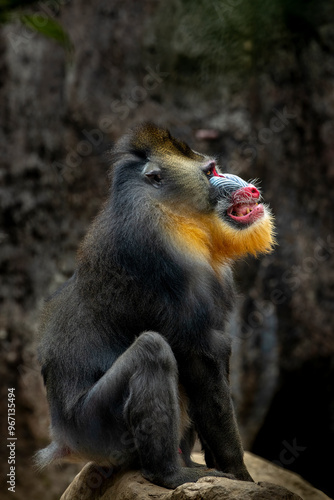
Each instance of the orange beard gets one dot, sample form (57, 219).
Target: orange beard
(208, 237)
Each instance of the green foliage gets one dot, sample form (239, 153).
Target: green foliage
(12, 10)
(47, 27)
(201, 38)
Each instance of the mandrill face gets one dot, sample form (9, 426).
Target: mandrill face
(238, 201)
(211, 215)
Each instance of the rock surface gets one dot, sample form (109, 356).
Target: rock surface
(272, 482)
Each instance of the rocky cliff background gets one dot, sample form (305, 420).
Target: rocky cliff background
(250, 82)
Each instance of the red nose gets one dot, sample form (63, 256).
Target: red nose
(251, 191)
(246, 193)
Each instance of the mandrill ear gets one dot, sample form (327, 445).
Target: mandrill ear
(153, 175)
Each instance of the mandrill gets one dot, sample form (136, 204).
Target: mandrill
(134, 350)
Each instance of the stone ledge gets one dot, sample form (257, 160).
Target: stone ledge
(272, 482)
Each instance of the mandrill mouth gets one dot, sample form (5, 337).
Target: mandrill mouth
(244, 207)
(246, 213)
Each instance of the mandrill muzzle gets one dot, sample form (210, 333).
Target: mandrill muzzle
(242, 198)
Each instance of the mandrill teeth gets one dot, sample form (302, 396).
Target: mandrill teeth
(242, 211)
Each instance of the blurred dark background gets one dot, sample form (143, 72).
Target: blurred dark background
(249, 81)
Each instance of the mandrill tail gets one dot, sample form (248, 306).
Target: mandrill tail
(50, 454)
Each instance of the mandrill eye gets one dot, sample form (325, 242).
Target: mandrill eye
(210, 169)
